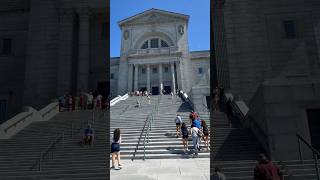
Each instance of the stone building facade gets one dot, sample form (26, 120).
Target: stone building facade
(50, 48)
(272, 48)
(155, 56)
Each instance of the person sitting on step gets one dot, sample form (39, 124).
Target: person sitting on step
(88, 135)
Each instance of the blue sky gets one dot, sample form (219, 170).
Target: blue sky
(199, 22)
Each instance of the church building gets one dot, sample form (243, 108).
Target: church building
(155, 57)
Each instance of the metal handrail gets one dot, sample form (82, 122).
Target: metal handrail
(155, 110)
(47, 150)
(235, 111)
(315, 153)
(137, 146)
(15, 124)
(147, 128)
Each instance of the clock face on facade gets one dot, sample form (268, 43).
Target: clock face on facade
(181, 30)
(126, 34)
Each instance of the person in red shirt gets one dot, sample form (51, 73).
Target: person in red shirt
(266, 170)
(81, 100)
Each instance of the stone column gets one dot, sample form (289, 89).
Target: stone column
(173, 79)
(130, 78)
(148, 78)
(64, 69)
(160, 79)
(136, 77)
(83, 59)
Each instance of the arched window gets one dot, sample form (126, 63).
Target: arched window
(145, 45)
(154, 43)
(164, 44)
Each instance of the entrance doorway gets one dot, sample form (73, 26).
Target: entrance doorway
(314, 127)
(143, 89)
(3, 110)
(155, 90)
(167, 89)
(103, 88)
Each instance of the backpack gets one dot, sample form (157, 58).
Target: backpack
(178, 120)
(184, 131)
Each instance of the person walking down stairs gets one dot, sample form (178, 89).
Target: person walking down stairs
(266, 170)
(115, 148)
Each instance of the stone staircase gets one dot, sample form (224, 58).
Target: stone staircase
(235, 150)
(163, 143)
(68, 161)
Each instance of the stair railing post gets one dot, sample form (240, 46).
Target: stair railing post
(149, 131)
(40, 159)
(72, 130)
(62, 140)
(315, 156)
(144, 148)
(300, 152)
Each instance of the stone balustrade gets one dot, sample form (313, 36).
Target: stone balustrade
(23, 119)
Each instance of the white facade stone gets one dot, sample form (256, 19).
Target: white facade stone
(170, 67)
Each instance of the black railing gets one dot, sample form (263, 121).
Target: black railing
(315, 153)
(137, 146)
(46, 151)
(146, 124)
(246, 120)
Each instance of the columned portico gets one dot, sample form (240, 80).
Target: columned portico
(130, 77)
(173, 89)
(160, 79)
(136, 66)
(64, 75)
(148, 78)
(83, 63)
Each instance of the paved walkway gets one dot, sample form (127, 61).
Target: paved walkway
(163, 169)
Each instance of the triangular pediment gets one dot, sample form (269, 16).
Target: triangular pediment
(153, 16)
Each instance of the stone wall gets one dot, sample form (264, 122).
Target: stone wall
(14, 25)
(285, 106)
(256, 42)
(41, 58)
(199, 59)
(114, 69)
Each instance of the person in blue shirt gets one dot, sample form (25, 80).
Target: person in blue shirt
(61, 103)
(88, 135)
(197, 123)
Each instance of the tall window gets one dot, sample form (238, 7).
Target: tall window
(154, 70)
(7, 46)
(154, 43)
(111, 76)
(145, 45)
(143, 70)
(164, 44)
(166, 69)
(289, 29)
(200, 70)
